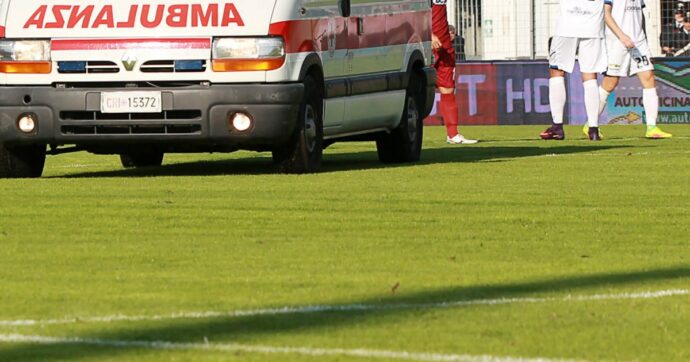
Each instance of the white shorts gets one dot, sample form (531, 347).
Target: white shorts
(625, 62)
(589, 52)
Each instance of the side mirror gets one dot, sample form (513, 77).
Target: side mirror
(345, 8)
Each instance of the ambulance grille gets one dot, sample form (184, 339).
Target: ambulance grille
(85, 123)
(100, 116)
(87, 67)
(133, 129)
(173, 66)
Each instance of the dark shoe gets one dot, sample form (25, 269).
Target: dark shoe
(554, 132)
(594, 134)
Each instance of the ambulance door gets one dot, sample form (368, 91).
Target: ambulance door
(370, 62)
(331, 39)
(367, 28)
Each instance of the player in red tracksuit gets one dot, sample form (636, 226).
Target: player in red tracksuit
(444, 55)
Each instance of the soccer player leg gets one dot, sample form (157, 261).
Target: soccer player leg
(445, 81)
(563, 53)
(618, 66)
(557, 99)
(607, 86)
(592, 58)
(561, 60)
(449, 111)
(644, 69)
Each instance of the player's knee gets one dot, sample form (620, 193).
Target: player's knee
(554, 73)
(444, 90)
(647, 79)
(588, 76)
(610, 83)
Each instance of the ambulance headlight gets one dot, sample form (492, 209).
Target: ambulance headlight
(248, 54)
(248, 48)
(24, 50)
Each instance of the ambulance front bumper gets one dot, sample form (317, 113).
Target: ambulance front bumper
(197, 115)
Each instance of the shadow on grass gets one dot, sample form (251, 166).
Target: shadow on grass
(249, 328)
(338, 162)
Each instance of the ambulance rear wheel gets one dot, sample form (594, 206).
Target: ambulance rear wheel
(404, 144)
(142, 159)
(22, 162)
(304, 151)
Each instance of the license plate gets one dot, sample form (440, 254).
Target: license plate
(131, 102)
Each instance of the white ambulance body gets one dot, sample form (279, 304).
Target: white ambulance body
(141, 78)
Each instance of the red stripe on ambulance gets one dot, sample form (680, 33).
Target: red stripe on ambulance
(147, 16)
(297, 35)
(379, 30)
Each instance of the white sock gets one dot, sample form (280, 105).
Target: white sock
(650, 101)
(603, 98)
(592, 102)
(557, 98)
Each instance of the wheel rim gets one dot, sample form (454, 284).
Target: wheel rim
(310, 127)
(412, 117)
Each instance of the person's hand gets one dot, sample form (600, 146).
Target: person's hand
(436, 42)
(627, 42)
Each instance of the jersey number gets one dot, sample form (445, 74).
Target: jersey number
(642, 60)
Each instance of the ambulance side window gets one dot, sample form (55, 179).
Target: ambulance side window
(345, 8)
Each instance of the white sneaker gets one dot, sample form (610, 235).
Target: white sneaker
(460, 140)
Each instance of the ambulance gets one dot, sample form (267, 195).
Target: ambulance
(142, 78)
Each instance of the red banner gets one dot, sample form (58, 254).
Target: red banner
(476, 96)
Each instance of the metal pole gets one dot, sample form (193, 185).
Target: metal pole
(534, 29)
(477, 35)
(458, 12)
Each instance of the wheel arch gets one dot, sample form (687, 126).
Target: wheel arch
(312, 66)
(416, 67)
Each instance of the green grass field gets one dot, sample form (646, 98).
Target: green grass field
(514, 248)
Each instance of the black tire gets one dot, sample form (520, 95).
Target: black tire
(304, 151)
(404, 144)
(142, 159)
(22, 162)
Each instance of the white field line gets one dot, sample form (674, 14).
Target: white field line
(583, 139)
(312, 309)
(234, 348)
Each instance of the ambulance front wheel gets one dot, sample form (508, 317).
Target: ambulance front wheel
(404, 143)
(22, 162)
(304, 151)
